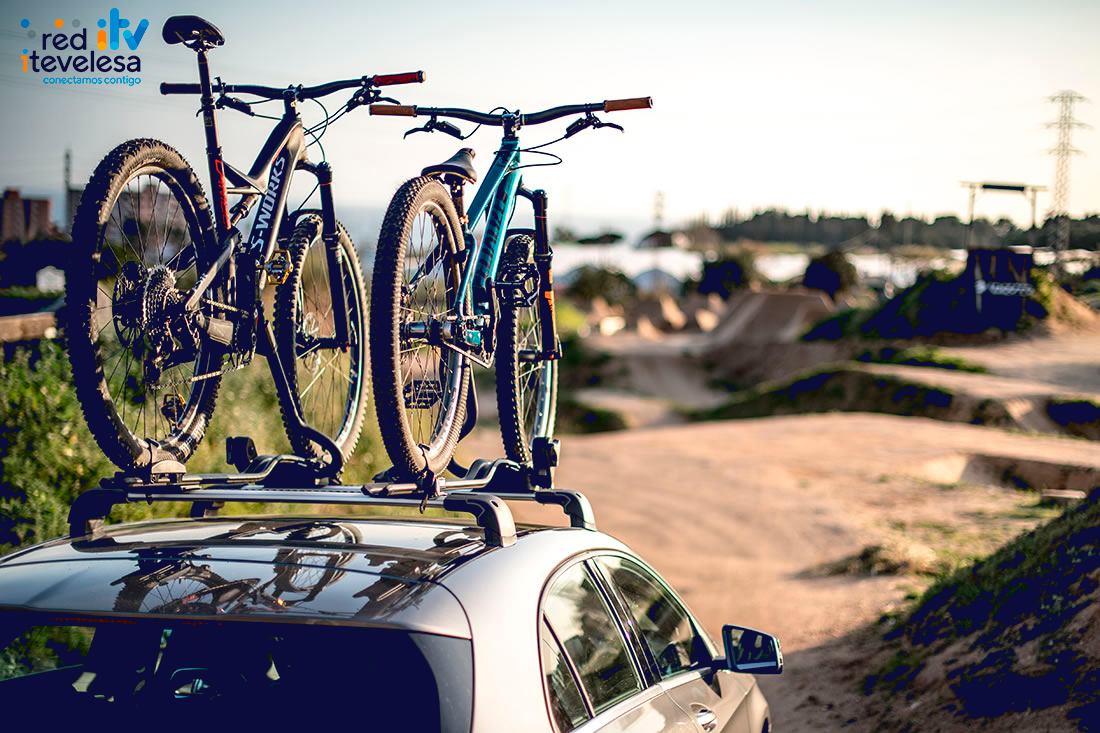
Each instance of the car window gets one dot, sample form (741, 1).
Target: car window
(299, 673)
(662, 621)
(581, 620)
(567, 708)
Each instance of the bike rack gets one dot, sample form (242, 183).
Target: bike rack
(292, 479)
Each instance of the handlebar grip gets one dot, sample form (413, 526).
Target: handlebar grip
(170, 88)
(614, 105)
(412, 77)
(402, 110)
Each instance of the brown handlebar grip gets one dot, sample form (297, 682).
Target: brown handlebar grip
(401, 110)
(614, 105)
(412, 77)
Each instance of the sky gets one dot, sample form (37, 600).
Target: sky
(848, 106)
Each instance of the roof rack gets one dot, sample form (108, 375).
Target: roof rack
(292, 479)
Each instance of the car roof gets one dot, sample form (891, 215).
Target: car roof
(378, 571)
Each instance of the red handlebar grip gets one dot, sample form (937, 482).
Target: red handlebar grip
(170, 88)
(402, 110)
(614, 105)
(412, 77)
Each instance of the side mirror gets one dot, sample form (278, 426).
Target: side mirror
(750, 651)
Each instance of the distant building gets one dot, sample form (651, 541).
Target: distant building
(659, 238)
(24, 220)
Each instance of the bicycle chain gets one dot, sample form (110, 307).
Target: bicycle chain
(233, 366)
(223, 306)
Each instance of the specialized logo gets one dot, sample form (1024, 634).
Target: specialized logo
(267, 206)
(43, 57)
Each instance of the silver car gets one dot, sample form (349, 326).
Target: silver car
(377, 622)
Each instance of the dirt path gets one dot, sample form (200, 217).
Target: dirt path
(741, 516)
(1070, 360)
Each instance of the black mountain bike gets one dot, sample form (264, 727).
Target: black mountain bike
(443, 300)
(165, 295)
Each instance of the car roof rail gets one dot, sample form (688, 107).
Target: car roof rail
(289, 479)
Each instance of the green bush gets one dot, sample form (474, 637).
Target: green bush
(724, 275)
(47, 455)
(611, 285)
(832, 272)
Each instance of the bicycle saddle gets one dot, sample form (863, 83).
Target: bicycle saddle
(460, 164)
(191, 28)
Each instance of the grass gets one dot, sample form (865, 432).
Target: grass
(575, 416)
(924, 356)
(839, 387)
(1026, 592)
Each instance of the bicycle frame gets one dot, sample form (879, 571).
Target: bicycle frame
(268, 182)
(496, 196)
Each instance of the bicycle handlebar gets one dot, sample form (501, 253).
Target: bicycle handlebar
(300, 92)
(535, 118)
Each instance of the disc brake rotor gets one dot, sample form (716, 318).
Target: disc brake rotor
(311, 327)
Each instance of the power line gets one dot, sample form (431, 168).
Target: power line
(1063, 151)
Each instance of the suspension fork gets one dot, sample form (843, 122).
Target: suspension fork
(543, 255)
(330, 235)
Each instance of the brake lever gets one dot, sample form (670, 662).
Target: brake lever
(233, 103)
(589, 120)
(433, 124)
(368, 95)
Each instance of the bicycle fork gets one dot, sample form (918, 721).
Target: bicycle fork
(543, 256)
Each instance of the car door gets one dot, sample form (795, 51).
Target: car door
(594, 679)
(677, 650)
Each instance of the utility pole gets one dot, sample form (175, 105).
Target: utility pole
(659, 210)
(1062, 152)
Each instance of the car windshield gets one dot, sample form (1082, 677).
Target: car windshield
(68, 669)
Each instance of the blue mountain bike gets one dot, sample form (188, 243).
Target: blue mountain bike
(443, 301)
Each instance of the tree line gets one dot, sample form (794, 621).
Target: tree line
(778, 225)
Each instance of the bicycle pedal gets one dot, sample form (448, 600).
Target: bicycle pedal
(172, 408)
(278, 266)
(422, 394)
(517, 285)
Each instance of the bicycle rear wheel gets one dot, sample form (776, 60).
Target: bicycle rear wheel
(420, 384)
(527, 387)
(328, 380)
(142, 235)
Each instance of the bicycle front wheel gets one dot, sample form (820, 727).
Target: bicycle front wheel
(142, 369)
(420, 383)
(527, 387)
(327, 374)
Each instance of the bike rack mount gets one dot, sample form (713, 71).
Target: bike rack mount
(292, 479)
